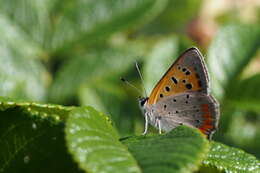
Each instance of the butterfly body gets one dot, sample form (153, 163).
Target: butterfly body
(182, 97)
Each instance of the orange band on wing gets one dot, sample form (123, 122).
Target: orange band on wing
(207, 125)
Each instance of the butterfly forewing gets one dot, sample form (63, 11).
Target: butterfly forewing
(187, 74)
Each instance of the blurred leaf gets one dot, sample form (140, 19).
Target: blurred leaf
(33, 17)
(244, 96)
(222, 158)
(94, 143)
(181, 150)
(31, 137)
(248, 137)
(16, 40)
(58, 24)
(21, 75)
(90, 67)
(101, 91)
(174, 17)
(229, 53)
(179, 13)
(159, 60)
(88, 21)
(88, 96)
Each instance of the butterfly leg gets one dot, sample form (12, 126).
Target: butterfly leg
(146, 124)
(158, 124)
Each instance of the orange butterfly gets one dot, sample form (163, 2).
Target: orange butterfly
(182, 97)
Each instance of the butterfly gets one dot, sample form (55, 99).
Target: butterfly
(182, 97)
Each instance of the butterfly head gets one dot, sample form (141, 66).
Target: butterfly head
(142, 102)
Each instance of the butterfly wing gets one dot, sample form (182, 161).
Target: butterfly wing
(188, 73)
(194, 109)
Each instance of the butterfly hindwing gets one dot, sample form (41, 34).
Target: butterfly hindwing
(188, 73)
(194, 109)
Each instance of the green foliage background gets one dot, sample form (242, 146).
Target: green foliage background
(64, 109)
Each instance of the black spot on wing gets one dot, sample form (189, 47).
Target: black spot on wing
(188, 86)
(174, 80)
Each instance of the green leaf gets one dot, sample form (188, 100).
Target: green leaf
(181, 150)
(229, 53)
(95, 65)
(88, 21)
(249, 99)
(21, 75)
(31, 137)
(229, 159)
(94, 143)
(56, 113)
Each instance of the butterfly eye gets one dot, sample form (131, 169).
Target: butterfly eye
(143, 101)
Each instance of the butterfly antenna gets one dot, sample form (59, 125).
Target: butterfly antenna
(139, 72)
(131, 85)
